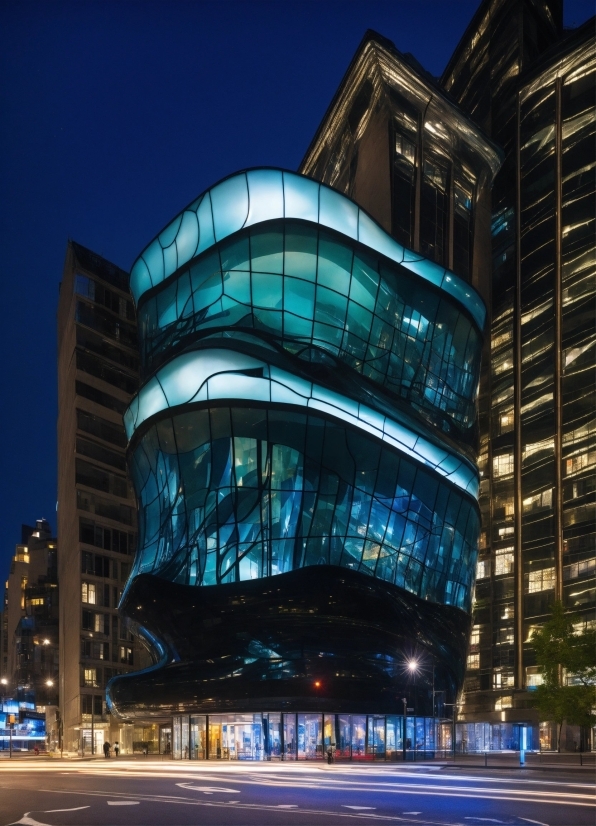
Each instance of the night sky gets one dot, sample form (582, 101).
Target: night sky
(114, 116)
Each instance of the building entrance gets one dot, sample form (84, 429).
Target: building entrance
(165, 739)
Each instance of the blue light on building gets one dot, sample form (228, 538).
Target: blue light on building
(302, 454)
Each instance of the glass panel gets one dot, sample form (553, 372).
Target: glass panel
(358, 737)
(197, 737)
(229, 201)
(301, 197)
(338, 212)
(266, 196)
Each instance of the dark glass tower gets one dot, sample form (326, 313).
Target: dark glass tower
(302, 453)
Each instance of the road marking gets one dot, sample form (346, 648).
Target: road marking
(358, 807)
(30, 821)
(206, 789)
(287, 806)
(75, 809)
(487, 819)
(123, 802)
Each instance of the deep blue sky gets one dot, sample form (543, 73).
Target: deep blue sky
(114, 116)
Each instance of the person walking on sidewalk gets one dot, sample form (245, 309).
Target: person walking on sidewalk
(106, 749)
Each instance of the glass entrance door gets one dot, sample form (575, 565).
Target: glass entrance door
(165, 740)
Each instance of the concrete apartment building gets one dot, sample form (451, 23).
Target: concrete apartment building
(97, 375)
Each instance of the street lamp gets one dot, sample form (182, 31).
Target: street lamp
(49, 683)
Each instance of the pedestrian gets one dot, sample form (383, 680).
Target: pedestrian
(116, 748)
(36, 751)
(106, 749)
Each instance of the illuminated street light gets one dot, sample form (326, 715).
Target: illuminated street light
(49, 683)
(46, 642)
(412, 665)
(4, 681)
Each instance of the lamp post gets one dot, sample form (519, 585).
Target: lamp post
(4, 683)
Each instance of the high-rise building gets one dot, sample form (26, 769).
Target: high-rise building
(97, 375)
(303, 443)
(29, 664)
(531, 85)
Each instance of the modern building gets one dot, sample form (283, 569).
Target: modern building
(531, 85)
(29, 669)
(303, 443)
(97, 375)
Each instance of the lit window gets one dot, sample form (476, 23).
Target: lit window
(505, 532)
(475, 638)
(90, 676)
(504, 561)
(88, 593)
(542, 580)
(506, 421)
(503, 363)
(533, 677)
(483, 569)
(578, 463)
(125, 655)
(36, 601)
(504, 702)
(473, 660)
(501, 338)
(505, 636)
(503, 465)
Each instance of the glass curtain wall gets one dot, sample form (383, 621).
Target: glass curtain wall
(308, 400)
(281, 736)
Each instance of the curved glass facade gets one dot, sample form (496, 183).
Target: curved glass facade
(306, 418)
(304, 287)
(229, 494)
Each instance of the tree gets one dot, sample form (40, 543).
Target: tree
(562, 654)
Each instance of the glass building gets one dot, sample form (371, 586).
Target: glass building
(303, 529)
(303, 443)
(531, 85)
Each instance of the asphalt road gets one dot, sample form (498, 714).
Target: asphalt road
(151, 793)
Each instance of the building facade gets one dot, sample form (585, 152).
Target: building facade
(30, 619)
(303, 443)
(531, 85)
(97, 375)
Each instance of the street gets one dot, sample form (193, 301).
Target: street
(152, 793)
